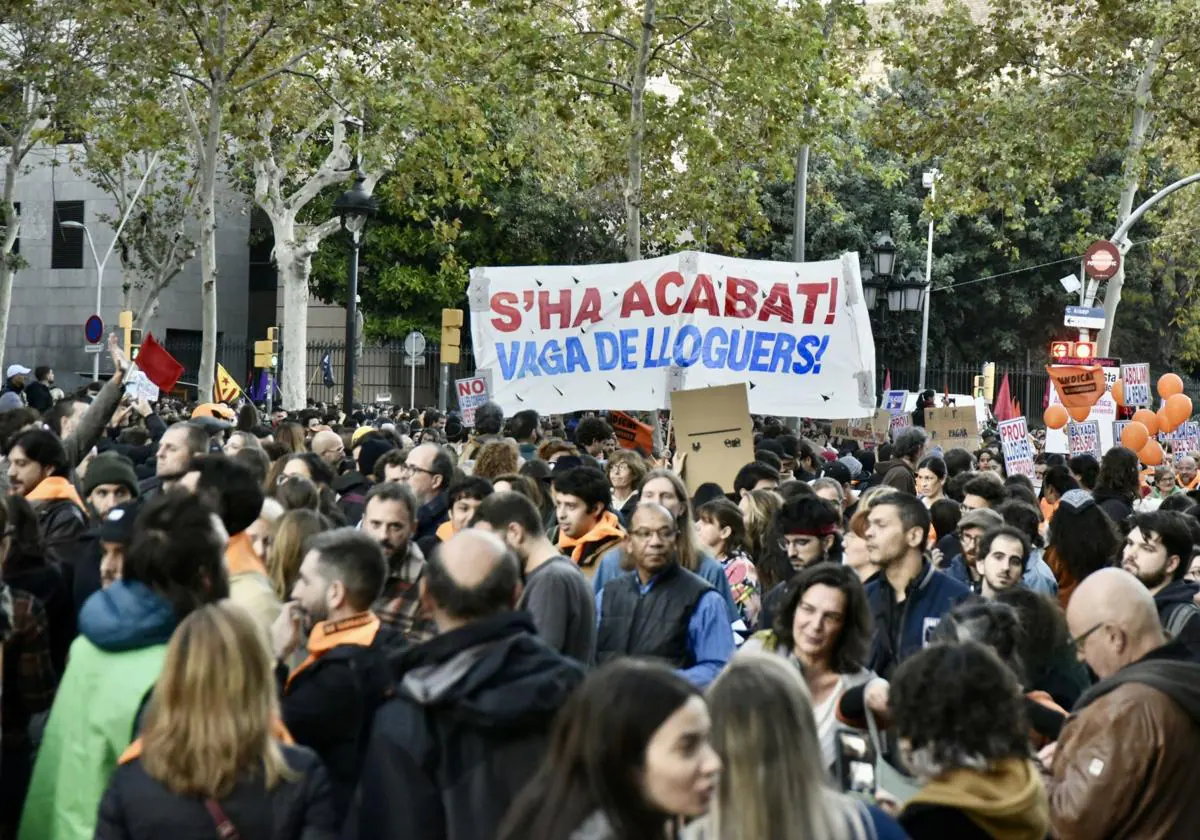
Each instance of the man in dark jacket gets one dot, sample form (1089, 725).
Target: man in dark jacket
(109, 483)
(428, 472)
(329, 698)
(907, 452)
(37, 392)
(1158, 551)
(353, 485)
(909, 597)
(471, 719)
(37, 470)
(1124, 763)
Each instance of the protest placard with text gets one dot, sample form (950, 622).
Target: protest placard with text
(1014, 440)
(954, 427)
(1135, 382)
(1084, 438)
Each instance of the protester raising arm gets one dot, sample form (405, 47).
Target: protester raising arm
(95, 419)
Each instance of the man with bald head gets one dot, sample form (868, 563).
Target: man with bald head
(428, 472)
(660, 610)
(1186, 472)
(329, 447)
(471, 718)
(1123, 764)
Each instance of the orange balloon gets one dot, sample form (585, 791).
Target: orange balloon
(1118, 394)
(1151, 454)
(1169, 384)
(1079, 413)
(1179, 408)
(1055, 417)
(1135, 436)
(1148, 419)
(1165, 424)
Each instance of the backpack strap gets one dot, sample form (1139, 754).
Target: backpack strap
(226, 830)
(1180, 616)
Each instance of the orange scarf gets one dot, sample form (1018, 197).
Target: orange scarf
(278, 732)
(240, 558)
(445, 531)
(55, 488)
(608, 526)
(358, 630)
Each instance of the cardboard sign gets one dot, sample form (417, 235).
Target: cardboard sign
(472, 393)
(898, 423)
(631, 433)
(865, 430)
(140, 387)
(952, 428)
(1018, 454)
(578, 337)
(893, 401)
(1083, 438)
(713, 426)
(1135, 380)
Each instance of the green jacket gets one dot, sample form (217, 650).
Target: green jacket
(91, 724)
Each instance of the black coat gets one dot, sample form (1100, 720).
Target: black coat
(137, 807)
(469, 726)
(37, 395)
(940, 822)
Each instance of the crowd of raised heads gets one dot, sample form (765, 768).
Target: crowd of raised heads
(224, 623)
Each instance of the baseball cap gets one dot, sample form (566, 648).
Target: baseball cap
(117, 525)
(837, 471)
(14, 370)
(219, 411)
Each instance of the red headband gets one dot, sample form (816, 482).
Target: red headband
(823, 531)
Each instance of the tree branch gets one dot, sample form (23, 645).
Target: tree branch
(606, 82)
(287, 67)
(670, 42)
(687, 71)
(254, 42)
(610, 35)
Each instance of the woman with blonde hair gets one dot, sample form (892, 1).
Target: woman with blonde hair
(286, 551)
(758, 509)
(792, 799)
(291, 437)
(213, 759)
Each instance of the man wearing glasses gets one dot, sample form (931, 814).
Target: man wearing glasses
(1124, 764)
(971, 528)
(427, 472)
(661, 610)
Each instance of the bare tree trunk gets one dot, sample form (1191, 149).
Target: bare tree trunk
(294, 264)
(208, 245)
(12, 229)
(1130, 170)
(800, 205)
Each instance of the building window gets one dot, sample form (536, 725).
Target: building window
(66, 249)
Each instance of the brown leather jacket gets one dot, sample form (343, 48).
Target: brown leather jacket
(1125, 764)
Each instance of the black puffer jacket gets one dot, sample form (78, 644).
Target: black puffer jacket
(138, 807)
(466, 731)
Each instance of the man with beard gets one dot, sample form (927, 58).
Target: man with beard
(809, 530)
(661, 610)
(109, 483)
(1003, 553)
(340, 577)
(972, 526)
(389, 517)
(1158, 551)
(37, 470)
(176, 448)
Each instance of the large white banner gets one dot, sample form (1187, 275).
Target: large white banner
(625, 335)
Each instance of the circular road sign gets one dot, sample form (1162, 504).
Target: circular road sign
(414, 343)
(1102, 260)
(93, 329)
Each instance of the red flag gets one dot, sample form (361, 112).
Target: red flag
(887, 379)
(159, 366)
(1003, 408)
(1017, 411)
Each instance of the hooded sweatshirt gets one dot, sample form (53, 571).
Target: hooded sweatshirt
(113, 664)
(1007, 802)
(588, 548)
(1178, 613)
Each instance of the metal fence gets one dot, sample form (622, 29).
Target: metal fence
(381, 371)
(1026, 385)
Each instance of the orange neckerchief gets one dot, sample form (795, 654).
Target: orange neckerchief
(240, 557)
(1191, 485)
(54, 488)
(278, 732)
(445, 531)
(358, 630)
(608, 526)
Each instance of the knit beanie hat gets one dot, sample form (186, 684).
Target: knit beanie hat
(110, 468)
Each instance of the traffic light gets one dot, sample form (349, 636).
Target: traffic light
(265, 355)
(131, 338)
(1073, 350)
(452, 321)
(989, 381)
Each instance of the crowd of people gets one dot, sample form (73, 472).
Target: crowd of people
(218, 623)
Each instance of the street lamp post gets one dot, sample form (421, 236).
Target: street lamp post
(354, 207)
(929, 179)
(100, 263)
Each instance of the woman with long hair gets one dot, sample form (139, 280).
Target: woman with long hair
(758, 509)
(286, 551)
(213, 759)
(1082, 539)
(824, 629)
(721, 530)
(496, 458)
(1118, 485)
(625, 470)
(792, 800)
(291, 436)
(629, 755)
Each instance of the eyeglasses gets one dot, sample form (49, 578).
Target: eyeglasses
(790, 545)
(644, 534)
(408, 469)
(1079, 641)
